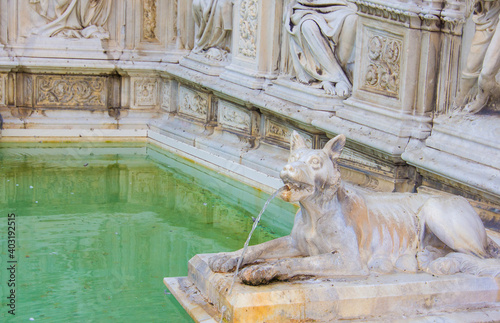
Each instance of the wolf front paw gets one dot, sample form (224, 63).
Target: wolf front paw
(223, 262)
(259, 274)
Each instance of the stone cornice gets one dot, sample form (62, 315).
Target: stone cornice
(414, 16)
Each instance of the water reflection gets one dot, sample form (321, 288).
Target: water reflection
(98, 230)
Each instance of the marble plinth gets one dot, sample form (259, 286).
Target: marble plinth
(204, 65)
(398, 297)
(311, 97)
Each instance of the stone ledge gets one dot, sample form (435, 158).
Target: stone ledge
(398, 297)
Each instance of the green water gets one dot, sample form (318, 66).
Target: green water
(99, 226)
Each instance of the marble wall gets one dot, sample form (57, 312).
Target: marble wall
(412, 85)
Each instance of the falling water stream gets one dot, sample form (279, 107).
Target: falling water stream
(245, 246)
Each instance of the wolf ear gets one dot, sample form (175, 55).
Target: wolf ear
(333, 148)
(297, 141)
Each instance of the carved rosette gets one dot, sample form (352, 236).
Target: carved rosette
(149, 20)
(233, 118)
(382, 74)
(67, 91)
(247, 45)
(193, 103)
(146, 91)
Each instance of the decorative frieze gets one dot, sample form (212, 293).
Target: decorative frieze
(149, 20)
(233, 118)
(247, 45)
(193, 103)
(66, 91)
(382, 72)
(146, 92)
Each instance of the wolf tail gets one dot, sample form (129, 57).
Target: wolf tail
(438, 262)
(476, 266)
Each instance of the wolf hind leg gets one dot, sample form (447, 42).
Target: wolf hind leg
(453, 221)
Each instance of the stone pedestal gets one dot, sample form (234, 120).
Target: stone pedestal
(396, 69)
(200, 63)
(255, 51)
(464, 148)
(304, 95)
(398, 297)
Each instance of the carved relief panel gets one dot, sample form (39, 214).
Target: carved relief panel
(247, 43)
(194, 104)
(149, 20)
(66, 91)
(70, 19)
(153, 27)
(276, 132)
(234, 118)
(145, 92)
(382, 65)
(256, 41)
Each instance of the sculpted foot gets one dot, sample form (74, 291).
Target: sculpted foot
(380, 265)
(342, 90)
(259, 274)
(223, 262)
(328, 87)
(215, 53)
(407, 263)
(303, 77)
(444, 266)
(477, 105)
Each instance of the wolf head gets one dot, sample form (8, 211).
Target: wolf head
(311, 172)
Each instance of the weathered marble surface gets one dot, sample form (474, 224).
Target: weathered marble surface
(136, 72)
(394, 298)
(478, 85)
(138, 78)
(339, 231)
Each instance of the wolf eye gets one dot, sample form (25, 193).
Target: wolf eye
(315, 161)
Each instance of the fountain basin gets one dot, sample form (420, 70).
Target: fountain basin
(398, 297)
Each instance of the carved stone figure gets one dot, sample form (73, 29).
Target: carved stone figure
(483, 62)
(73, 18)
(213, 19)
(340, 231)
(323, 36)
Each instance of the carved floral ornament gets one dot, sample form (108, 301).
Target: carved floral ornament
(146, 91)
(70, 91)
(383, 70)
(149, 20)
(248, 28)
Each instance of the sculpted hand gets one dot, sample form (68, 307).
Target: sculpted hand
(224, 262)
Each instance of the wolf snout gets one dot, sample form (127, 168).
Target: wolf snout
(287, 171)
